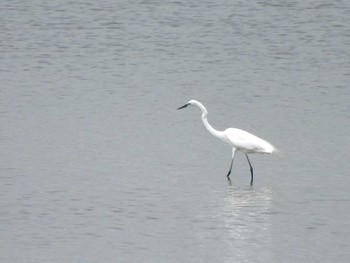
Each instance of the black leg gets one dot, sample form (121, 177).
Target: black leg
(229, 171)
(251, 170)
(233, 158)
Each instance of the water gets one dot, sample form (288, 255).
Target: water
(97, 165)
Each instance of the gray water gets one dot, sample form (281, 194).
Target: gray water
(97, 165)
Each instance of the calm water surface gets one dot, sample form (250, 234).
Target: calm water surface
(97, 165)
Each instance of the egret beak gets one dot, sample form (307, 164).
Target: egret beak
(184, 106)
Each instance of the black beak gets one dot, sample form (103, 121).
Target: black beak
(184, 106)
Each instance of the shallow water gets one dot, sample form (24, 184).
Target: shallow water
(98, 165)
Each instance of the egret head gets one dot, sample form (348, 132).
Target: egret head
(191, 102)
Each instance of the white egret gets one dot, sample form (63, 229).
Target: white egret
(239, 140)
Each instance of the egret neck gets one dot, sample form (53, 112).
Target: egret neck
(216, 133)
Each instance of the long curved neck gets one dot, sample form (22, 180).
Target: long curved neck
(213, 131)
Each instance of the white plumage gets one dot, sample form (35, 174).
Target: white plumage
(246, 142)
(239, 140)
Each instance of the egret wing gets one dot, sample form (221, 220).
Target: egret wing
(247, 142)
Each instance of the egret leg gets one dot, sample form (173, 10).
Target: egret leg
(233, 158)
(251, 170)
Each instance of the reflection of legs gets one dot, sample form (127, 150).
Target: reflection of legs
(233, 157)
(251, 170)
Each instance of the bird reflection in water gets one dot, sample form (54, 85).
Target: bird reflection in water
(246, 215)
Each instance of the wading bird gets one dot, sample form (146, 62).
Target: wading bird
(239, 140)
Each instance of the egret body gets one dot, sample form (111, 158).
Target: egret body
(238, 139)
